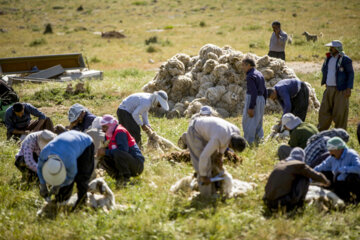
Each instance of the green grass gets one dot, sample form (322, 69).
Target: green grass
(155, 213)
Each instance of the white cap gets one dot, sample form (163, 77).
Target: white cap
(162, 98)
(54, 171)
(290, 121)
(335, 43)
(45, 137)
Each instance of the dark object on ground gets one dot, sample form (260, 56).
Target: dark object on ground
(151, 40)
(3, 30)
(7, 97)
(184, 156)
(80, 8)
(358, 132)
(48, 29)
(25, 64)
(2, 12)
(58, 7)
(112, 34)
(294, 15)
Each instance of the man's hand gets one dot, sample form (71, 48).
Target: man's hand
(205, 180)
(101, 152)
(251, 113)
(44, 191)
(347, 92)
(145, 128)
(327, 184)
(54, 190)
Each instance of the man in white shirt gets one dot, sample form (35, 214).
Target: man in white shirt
(207, 139)
(139, 104)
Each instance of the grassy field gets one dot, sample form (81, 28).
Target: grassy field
(187, 25)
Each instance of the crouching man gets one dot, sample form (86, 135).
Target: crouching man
(207, 139)
(122, 158)
(66, 160)
(27, 157)
(289, 182)
(342, 168)
(18, 120)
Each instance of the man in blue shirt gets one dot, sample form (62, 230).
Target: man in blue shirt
(67, 159)
(80, 118)
(252, 120)
(338, 76)
(18, 120)
(293, 95)
(342, 168)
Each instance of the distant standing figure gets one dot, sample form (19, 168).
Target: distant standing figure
(277, 41)
(293, 96)
(338, 75)
(256, 94)
(18, 120)
(136, 105)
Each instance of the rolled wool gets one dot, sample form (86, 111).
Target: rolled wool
(215, 77)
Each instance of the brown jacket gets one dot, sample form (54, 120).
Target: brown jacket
(282, 177)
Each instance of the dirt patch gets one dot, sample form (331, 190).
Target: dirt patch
(312, 67)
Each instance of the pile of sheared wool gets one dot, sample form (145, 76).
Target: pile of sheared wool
(215, 78)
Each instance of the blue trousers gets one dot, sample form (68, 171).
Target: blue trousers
(253, 127)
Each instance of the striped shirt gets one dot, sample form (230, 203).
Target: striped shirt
(139, 104)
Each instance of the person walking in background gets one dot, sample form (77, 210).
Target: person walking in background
(277, 41)
(252, 120)
(293, 96)
(338, 76)
(138, 104)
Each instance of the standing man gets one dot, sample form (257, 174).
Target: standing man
(277, 41)
(66, 160)
(207, 139)
(293, 96)
(338, 75)
(18, 120)
(138, 104)
(252, 120)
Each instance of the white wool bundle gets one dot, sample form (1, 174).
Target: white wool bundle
(216, 75)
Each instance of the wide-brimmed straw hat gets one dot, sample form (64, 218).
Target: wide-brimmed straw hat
(54, 171)
(162, 98)
(45, 137)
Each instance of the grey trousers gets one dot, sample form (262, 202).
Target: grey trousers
(196, 145)
(253, 127)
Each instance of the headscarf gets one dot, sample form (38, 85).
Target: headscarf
(335, 143)
(111, 122)
(296, 154)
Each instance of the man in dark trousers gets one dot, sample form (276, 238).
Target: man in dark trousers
(67, 159)
(18, 120)
(122, 158)
(289, 182)
(277, 41)
(338, 75)
(293, 95)
(342, 168)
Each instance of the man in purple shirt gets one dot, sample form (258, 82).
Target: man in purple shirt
(293, 95)
(252, 120)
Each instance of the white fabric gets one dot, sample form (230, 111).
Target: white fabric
(290, 121)
(331, 74)
(45, 137)
(335, 43)
(139, 104)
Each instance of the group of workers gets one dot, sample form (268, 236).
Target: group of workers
(61, 156)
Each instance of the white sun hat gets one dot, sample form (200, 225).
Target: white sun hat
(44, 138)
(162, 98)
(290, 121)
(54, 171)
(75, 111)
